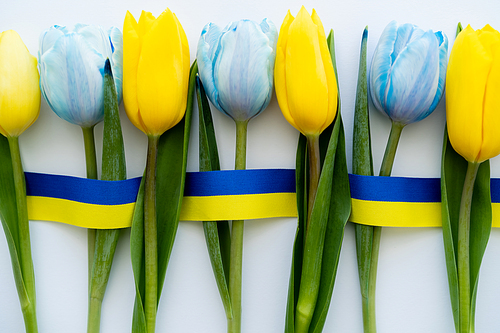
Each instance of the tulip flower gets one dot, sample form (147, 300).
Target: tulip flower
(406, 82)
(305, 81)
(20, 93)
(408, 72)
(71, 64)
(472, 90)
(72, 70)
(155, 89)
(236, 68)
(156, 71)
(472, 94)
(306, 88)
(19, 108)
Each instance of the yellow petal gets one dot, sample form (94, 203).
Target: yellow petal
(491, 114)
(161, 76)
(466, 78)
(19, 88)
(131, 52)
(280, 72)
(330, 72)
(146, 21)
(306, 81)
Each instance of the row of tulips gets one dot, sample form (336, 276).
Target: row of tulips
(237, 67)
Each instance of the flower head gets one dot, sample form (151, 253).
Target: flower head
(236, 66)
(473, 94)
(156, 71)
(71, 66)
(306, 86)
(408, 72)
(19, 89)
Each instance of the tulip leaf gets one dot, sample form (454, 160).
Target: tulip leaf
(453, 170)
(8, 217)
(113, 168)
(171, 172)
(362, 164)
(217, 233)
(301, 173)
(320, 248)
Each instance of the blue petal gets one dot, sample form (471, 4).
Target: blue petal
(381, 65)
(413, 80)
(72, 81)
(205, 55)
(443, 63)
(405, 35)
(48, 38)
(97, 38)
(116, 40)
(243, 71)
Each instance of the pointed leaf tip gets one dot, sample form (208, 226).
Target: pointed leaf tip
(107, 68)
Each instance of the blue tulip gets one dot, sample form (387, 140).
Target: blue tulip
(71, 65)
(236, 66)
(408, 72)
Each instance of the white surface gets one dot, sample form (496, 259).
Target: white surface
(412, 292)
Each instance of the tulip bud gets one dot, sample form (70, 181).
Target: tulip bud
(19, 89)
(155, 71)
(408, 72)
(305, 81)
(473, 94)
(72, 70)
(236, 66)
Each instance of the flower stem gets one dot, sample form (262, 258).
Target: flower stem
(91, 166)
(237, 227)
(150, 235)
(314, 173)
(463, 248)
(28, 308)
(369, 318)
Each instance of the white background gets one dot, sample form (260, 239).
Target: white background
(412, 291)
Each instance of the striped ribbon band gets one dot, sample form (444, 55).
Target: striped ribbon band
(237, 195)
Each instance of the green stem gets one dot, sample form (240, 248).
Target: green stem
(29, 308)
(314, 173)
(390, 150)
(369, 318)
(463, 248)
(105, 246)
(150, 235)
(237, 227)
(91, 164)
(94, 319)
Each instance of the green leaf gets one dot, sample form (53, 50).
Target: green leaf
(138, 261)
(217, 233)
(298, 246)
(113, 168)
(339, 211)
(171, 173)
(8, 216)
(362, 164)
(453, 170)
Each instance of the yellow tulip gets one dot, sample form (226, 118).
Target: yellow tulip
(155, 71)
(19, 88)
(473, 94)
(304, 77)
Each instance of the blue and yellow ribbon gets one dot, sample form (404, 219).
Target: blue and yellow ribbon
(237, 195)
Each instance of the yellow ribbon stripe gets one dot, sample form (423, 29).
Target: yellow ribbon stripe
(404, 214)
(230, 207)
(238, 207)
(80, 214)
